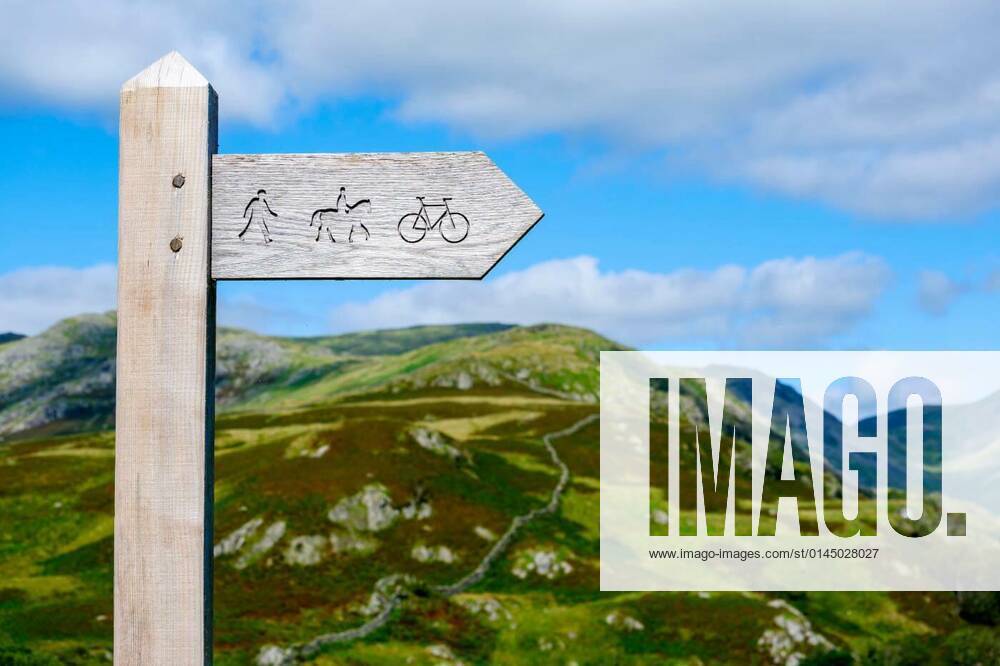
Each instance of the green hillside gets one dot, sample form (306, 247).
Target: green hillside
(424, 496)
(62, 381)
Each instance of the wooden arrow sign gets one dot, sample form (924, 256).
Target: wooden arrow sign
(363, 215)
(188, 217)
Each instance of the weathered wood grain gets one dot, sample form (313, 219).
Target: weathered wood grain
(166, 310)
(297, 186)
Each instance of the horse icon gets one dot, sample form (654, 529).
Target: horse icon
(255, 210)
(342, 206)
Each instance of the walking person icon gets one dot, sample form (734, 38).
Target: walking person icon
(255, 211)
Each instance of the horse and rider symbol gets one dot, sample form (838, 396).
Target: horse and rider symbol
(412, 227)
(345, 207)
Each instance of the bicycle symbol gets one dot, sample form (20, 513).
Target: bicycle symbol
(414, 226)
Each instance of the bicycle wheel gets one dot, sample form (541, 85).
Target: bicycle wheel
(456, 230)
(412, 228)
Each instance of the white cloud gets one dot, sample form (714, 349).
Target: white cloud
(780, 302)
(32, 299)
(936, 292)
(81, 52)
(889, 108)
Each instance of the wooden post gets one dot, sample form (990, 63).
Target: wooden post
(166, 350)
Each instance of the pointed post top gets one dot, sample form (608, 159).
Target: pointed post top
(170, 71)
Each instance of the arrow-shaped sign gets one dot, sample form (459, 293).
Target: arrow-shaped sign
(183, 221)
(363, 215)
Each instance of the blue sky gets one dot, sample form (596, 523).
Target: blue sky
(788, 193)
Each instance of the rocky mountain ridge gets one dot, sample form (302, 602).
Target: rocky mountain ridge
(62, 380)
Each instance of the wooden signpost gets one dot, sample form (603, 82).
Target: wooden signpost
(187, 218)
(363, 215)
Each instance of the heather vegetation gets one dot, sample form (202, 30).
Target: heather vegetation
(422, 496)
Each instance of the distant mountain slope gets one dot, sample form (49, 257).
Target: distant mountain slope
(398, 341)
(9, 337)
(62, 380)
(896, 464)
(562, 361)
(62, 376)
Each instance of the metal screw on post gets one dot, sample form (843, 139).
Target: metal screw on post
(176, 243)
(178, 182)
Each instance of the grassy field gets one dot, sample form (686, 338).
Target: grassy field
(397, 474)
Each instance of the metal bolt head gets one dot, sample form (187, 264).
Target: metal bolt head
(176, 243)
(178, 181)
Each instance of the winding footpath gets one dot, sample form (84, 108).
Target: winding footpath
(276, 656)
